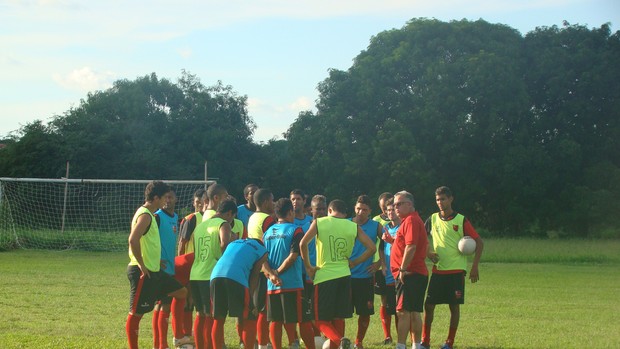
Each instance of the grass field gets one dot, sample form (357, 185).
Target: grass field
(532, 293)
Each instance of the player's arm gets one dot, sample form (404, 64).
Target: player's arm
(372, 268)
(371, 248)
(410, 249)
(254, 276)
(225, 235)
(386, 236)
(140, 228)
(187, 228)
(469, 230)
(303, 249)
(430, 254)
(270, 274)
(294, 253)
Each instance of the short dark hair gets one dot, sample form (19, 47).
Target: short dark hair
(155, 188)
(261, 196)
(385, 196)
(227, 206)
(338, 206)
(199, 193)
(247, 189)
(215, 189)
(363, 199)
(298, 192)
(319, 198)
(389, 201)
(282, 207)
(444, 190)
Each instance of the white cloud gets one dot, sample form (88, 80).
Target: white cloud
(301, 103)
(84, 80)
(185, 52)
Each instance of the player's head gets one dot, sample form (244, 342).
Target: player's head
(171, 201)
(156, 192)
(444, 198)
(298, 197)
(389, 210)
(318, 205)
(337, 208)
(362, 207)
(197, 200)
(227, 210)
(263, 199)
(216, 193)
(284, 209)
(403, 203)
(383, 198)
(248, 194)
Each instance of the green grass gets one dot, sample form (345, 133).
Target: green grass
(532, 293)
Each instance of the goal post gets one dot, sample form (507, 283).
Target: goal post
(84, 214)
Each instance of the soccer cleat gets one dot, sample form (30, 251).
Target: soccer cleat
(388, 340)
(446, 346)
(345, 343)
(358, 346)
(181, 341)
(425, 346)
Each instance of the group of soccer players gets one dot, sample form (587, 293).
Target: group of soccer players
(273, 267)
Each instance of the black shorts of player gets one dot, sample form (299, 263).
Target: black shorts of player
(229, 297)
(332, 299)
(286, 307)
(308, 301)
(260, 297)
(165, 300)
(145, 291)
(446, 289)
(410, 294)
(390, 299)
(379, 283)
(363, 296)
(201, 294)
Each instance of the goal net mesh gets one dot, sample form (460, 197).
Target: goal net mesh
(60, 214)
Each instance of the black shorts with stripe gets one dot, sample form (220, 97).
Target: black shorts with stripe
(379, 282)
(286, 307)
(308, 301)
(146, 291)
(230, 298)
(363, 296)
(332, 299)
(410, 294)
(446, 289)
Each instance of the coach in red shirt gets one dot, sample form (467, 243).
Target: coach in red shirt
(409, 270)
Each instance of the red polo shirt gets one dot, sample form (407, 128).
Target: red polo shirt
(411, 232)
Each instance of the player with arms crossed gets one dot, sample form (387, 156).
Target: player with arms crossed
(447, 285)
(147, 282)
(335, 238)
(284, 301)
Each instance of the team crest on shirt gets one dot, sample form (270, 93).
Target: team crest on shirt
(455, 227)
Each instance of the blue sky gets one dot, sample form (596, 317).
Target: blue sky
(53, 52)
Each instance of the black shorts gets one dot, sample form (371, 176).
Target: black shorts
(145, 292)
(332, 299)
(390, 299)
(260, 296)
(229, 297)
(201, 294)
(286, 307)
(308, 301)
(410, 295)
(379, 282)
(363, 296)
(446, 289)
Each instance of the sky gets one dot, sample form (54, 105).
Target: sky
(275, 52)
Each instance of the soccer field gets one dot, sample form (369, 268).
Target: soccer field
(566, 298)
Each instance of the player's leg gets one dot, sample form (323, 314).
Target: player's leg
(275, 316)
(162, 325)
(141, 301)
(418, 290)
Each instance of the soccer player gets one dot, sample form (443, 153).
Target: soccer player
(147, 282)
(216, 194)
(298, 198)
(362, 275)
(245, 211)
(258, 224)
(284, 300)
(407, 258)
(335, 238)
(447, 285)
(388, 291)
(167, 223)
(380, 275)
(234, 282)
(211, 238)
(182, 308)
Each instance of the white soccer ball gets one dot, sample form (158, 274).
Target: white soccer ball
(185, 346)
(318, 342)
(326, 344)
(467, 245)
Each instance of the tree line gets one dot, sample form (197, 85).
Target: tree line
(523, 128)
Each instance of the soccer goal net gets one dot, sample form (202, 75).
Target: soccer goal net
(85, 214)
